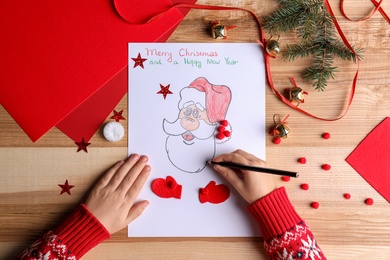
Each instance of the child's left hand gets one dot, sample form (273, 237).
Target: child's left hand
(112, 201)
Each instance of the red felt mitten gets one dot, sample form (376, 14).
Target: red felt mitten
(166, 188)
(214, 193)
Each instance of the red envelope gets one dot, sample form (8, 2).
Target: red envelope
(64, 63)
(371, 158)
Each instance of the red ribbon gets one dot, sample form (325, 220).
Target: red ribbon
(376, 8)
(267, 57)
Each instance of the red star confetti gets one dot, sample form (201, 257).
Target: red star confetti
(65, 187)
(139, 61)
(118, 116)
(164, 90)
(82, 145)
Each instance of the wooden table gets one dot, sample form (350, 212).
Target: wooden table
(30, 202)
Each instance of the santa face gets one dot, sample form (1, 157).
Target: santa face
(190, 139)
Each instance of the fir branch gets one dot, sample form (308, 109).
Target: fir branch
(314, 26)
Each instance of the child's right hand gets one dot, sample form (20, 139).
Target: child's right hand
(251, 185)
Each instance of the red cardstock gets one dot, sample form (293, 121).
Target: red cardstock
(214, 193)
(371, 158)
(167, 188)
(64, 63)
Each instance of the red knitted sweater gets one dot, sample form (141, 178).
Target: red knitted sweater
(286, 236)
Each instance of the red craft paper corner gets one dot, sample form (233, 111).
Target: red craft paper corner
(371, 158)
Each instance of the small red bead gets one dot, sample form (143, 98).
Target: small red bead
(285, 178)
(277, 140)
(315, 205)
(224, 123)
(347, 196)
(304, 186)
(220, 136)
(227, 133)
(221, 128)
(369, 201)
(302, 160)
(326, 135)
(326, 167)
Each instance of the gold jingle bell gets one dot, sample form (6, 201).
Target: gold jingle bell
(272, 47)
(297, 95)
(281, 129)
(218, 30)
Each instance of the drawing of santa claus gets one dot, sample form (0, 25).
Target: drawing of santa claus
(192, 136)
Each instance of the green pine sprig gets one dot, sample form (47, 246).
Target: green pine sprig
(314, 26)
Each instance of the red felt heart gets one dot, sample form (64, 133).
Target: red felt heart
(214, 193)
(166, 188)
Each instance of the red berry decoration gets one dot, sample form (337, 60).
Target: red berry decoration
(347, 196)
(326, 167)
(369, 201)
(224, 123)
(326, 135)
(304, 186)
(285, 178)
(220, 136)
(226, 133)
(302, 160)
(315, 205)
(221, 128)
(277, 140)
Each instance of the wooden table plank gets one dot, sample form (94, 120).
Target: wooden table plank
(345, 229)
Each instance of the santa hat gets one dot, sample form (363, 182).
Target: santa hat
(214, 98)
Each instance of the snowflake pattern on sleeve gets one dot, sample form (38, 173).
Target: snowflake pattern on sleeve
(296, 243)
(49, 247)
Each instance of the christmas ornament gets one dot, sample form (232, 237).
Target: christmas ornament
(296, 95)
(281, 129)
(272, 47)
(218, 30)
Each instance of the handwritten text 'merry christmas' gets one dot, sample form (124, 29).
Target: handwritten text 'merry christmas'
(189, 57)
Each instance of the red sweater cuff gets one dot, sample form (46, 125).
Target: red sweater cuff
(81, 231)
(274, 213)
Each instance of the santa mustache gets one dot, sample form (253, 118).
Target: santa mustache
(204, 131)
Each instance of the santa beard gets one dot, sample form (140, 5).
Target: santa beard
(189, 155)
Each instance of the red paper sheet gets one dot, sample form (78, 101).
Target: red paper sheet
(371, 158)
(64, 62)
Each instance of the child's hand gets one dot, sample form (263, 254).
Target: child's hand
(112, 201)
(251, 185)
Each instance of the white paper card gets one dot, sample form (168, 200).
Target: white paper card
(179, 93)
